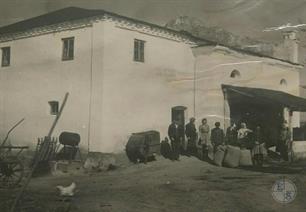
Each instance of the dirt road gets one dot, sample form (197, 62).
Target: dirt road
(163, 185)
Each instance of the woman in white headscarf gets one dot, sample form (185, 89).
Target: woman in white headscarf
(242, 134)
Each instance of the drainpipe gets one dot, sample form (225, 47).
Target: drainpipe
(90, 98)
(194, 86)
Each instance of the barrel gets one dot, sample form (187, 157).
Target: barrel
(69, 138)
(143, 145)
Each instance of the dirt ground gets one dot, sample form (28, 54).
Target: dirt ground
(164, 185)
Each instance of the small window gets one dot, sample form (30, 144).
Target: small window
(235, 74)
(53, 107)
(68, 48)
(6, 56)
(283, 82)
(139, 50)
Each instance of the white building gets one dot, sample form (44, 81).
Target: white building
(123, 76)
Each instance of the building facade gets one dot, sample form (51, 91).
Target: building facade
(122, 75)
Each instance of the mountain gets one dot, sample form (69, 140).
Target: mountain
(219, 35)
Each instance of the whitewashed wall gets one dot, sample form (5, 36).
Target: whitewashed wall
(214, 66)
(37, 75)
(139, 96)
(111, 96)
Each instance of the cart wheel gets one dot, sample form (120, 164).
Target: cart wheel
(11, 173)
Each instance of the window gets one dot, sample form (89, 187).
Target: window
(283, 82)
(6, 56)
(235, 74)
(53, 107)
(68, 48)
(139, 50)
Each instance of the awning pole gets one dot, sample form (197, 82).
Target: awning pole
(224, 101)
(290, 124)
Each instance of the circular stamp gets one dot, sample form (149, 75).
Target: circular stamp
(284, 191)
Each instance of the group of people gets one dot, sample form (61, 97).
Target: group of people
(200, 139)
(204, 137)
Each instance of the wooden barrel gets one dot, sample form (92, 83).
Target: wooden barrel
(69, 138)
(143, 145)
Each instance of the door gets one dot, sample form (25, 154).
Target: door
(179, 114)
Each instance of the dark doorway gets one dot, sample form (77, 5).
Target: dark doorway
(255, 112)
(179, 114)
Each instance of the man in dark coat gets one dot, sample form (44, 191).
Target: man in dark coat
(285, 137)
(217, 136)
(176, 137)
(191, 134)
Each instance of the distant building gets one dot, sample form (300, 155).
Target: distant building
(126, 75)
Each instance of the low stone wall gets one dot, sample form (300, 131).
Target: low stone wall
(298, 150)
(97, 161)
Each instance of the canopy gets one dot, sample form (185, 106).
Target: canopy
(294, 103)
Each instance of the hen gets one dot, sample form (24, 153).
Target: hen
(67, 191)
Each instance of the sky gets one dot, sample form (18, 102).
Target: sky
(242, 17)
(159, 11)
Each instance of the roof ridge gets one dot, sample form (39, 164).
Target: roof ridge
(73, 13)
(50, 18)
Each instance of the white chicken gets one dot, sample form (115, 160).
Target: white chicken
(68, 191)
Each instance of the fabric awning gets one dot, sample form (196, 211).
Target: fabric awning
(294, 103)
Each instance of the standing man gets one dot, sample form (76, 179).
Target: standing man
(175, 135)
(217, 136)
(285, 137)
(204, 137)
(191, 134)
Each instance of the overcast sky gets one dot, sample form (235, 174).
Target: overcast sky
(159, 11)
(247, 17)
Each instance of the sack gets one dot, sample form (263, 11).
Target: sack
(210, 152)
(232, 156)
(245, 158)
(219, 155)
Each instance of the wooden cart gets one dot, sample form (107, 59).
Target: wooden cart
(11, 167)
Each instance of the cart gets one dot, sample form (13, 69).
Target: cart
(11, 167)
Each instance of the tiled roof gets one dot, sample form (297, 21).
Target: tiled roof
(76, 13)
(59, 16)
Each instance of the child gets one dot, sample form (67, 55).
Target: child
(259, 148)
(165, 149)
(258, 153)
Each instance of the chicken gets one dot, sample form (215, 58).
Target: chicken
(67, 191)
